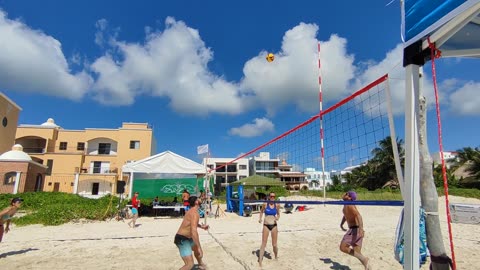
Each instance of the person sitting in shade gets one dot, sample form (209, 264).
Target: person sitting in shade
(155, 201)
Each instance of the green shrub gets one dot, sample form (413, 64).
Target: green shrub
(55, 208)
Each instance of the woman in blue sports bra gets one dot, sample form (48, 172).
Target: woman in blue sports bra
(7, 214)
(272, 215)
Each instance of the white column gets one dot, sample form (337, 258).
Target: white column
(130, 185)
(75, 183)
(17, 182)
(412, 170)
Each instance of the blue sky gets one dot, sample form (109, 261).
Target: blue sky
(195, 70)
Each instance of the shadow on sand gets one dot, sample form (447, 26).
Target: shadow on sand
(11, 253)
(335, 265)
(266, 254)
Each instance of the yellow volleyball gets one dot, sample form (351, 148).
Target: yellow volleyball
(270, 57)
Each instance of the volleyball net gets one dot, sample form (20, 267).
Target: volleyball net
(347, 145)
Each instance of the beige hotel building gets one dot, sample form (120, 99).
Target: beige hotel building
(86, 162)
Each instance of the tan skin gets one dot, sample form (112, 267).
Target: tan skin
(11, 211)
(266, 231)
(135, 216)
(352, 216)
(185, 196)
(188, 228)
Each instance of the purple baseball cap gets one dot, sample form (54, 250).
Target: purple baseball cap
(353, 195)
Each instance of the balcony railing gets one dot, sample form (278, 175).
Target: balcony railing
(96, 170)
(34, 150)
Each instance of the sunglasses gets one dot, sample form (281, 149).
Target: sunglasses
(272, 196)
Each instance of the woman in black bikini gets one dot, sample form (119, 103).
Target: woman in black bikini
(272, 215)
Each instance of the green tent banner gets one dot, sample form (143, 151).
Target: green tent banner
(169, 187)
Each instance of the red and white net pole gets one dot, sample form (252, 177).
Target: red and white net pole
(320, 118)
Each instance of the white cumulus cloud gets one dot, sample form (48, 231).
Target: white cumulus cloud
(293, 76)
(466, 99)
(31, 61)
(171, 64)
(257, 128)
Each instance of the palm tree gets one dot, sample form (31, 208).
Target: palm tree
(438, 176)
(384, 161)
(474, 166)
(466, 154)
(365, 176)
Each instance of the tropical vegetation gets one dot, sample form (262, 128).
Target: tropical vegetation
(379, 172)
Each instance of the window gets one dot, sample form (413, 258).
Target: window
(242, 167)
(134, 144)
(10, 178)
(97, 166)
(100, 167)
(4, 122)
(80, 146)
(265, 165)
(63, 145)
(232, 168)
(104, 148)
(50, 167)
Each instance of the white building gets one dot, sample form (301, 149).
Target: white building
(449, 157)
(315, 179)
(264, 165)
(227, 173)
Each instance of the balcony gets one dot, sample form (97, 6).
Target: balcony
(34, 150)
(96, 170)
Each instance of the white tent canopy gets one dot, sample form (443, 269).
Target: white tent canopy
(164, 163)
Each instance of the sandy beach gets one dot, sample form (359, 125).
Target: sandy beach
(307, 240)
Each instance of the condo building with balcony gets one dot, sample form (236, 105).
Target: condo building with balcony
(87, 162)
(266, 166)
(227, 173)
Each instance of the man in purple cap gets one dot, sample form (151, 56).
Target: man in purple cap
(352, 240)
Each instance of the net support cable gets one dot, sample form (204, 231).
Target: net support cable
(435, 53)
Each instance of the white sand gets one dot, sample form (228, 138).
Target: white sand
(307, 240)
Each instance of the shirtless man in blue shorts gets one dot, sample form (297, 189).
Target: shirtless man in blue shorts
(187, 239)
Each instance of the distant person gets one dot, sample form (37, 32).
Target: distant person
(7, 214)
(187, 239)
(272, 215)
(185, 197)
(302, 208)
(203, 196)
(135, 206)
(155, 201)
(352, 241)
(175, 200)
(209, 199)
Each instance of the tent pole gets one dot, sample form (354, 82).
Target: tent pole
(412, 170)
(131, 185)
